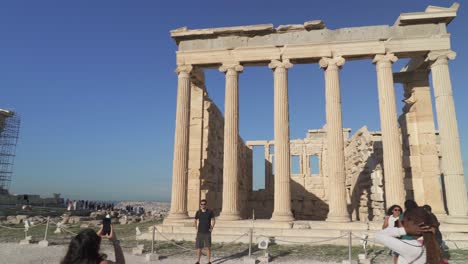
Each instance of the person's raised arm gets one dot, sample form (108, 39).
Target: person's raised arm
(388, 237)
(385, 223)
(119, 255)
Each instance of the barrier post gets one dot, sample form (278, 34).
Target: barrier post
(152, 241)
(26, 240)
(350, 243)
(152, 256)
(46, 228)
(250, 241)
(44, 242)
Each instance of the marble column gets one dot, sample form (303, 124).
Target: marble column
(282, 163)
(230, 210)
(392, 147)
(181, 146)
(452, 164)
(338, 211)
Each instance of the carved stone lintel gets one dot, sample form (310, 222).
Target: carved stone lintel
(185, 68)
(231, 67)
(337, 62)
(286, 64)
(440, 57)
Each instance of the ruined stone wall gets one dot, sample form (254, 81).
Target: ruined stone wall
(211, 174)
(245, 179)
(206, 143)
(364, 177)
(309, 200)
(309, 191)
(308, 196)
(420, 146)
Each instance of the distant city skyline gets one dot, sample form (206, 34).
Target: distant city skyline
(95, 86)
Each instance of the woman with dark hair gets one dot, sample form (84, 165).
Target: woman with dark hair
(392, 219)
(423, 248)
(84, 248)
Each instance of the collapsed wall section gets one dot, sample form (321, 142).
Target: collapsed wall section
(364, 176)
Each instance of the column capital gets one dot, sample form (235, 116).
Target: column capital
(184, 68)
(335, 62)
(285, 64)
(439, 57)
(385, 59)
(231, 67)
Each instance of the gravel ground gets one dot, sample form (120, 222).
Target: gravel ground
(25, 254)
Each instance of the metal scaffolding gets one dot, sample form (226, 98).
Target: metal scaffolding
(9, 132)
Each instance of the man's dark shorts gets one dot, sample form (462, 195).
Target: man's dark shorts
(203, 240)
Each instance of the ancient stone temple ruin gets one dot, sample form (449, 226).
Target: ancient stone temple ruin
(360, 174)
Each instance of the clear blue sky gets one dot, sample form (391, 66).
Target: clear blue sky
(95, 86)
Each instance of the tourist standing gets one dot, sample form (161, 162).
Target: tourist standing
(204, 223)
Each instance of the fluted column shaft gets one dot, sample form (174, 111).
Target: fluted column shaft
(452, 164)
(335, 143)
(392, 148)
(282, 163)
(181, 146)
(230, 210)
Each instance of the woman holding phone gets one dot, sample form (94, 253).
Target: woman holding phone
(84, 248)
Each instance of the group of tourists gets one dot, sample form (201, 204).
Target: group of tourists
(413, 236)
(138, 210)
(73, 205)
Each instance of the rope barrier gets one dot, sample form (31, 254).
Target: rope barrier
(307, 242)
(231, 242)
(170, 241)
(21, 228)
(12, 228)
(363, 238)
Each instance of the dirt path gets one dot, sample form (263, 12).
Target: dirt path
(26, 254)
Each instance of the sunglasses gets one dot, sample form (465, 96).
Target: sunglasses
(203, 204)
(397, 210)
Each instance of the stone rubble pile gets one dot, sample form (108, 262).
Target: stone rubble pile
(152, 211)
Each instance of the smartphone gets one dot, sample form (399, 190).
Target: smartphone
(106, 226)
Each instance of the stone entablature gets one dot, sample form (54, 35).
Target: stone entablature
(413, 32)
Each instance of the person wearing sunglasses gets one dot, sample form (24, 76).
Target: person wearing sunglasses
(393, 219)
(204, 223)
(422, 248)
